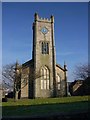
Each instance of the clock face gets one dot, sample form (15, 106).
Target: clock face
(44, 30)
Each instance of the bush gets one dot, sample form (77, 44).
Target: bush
(10, 95)
(4, 99)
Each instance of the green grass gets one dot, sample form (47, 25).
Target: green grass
(45, 101)
(29, 107)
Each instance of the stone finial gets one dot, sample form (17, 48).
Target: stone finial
(17, 67)
(16, 63)
(36, 17)
(52, 18)
(65, 66)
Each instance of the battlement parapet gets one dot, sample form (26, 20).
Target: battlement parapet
(37, 18)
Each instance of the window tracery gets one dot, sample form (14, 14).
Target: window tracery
(45, 78)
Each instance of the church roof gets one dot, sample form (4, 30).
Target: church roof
(28, 63)
(60, 67)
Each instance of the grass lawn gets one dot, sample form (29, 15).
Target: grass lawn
(44, 106)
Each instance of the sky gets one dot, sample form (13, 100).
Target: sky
(71, 31)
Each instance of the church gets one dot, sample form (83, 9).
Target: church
(42, 77)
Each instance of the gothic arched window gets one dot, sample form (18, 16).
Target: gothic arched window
(45, 48)
(45, 78)
(58, 81)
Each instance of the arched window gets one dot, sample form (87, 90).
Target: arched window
(45, 48)
(58, 81)
(45, 78)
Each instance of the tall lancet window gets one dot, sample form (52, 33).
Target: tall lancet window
(45, 48)
(58, 82)
(45, 78)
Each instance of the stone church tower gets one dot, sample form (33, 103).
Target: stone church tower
(42, 76)
(44, 56)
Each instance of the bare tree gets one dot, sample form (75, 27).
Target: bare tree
(82, 71)
(8, 75)
(21, 82)
(12, 77)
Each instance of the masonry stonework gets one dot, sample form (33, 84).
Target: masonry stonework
(43, 77)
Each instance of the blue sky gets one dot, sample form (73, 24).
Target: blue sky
(71, 31)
